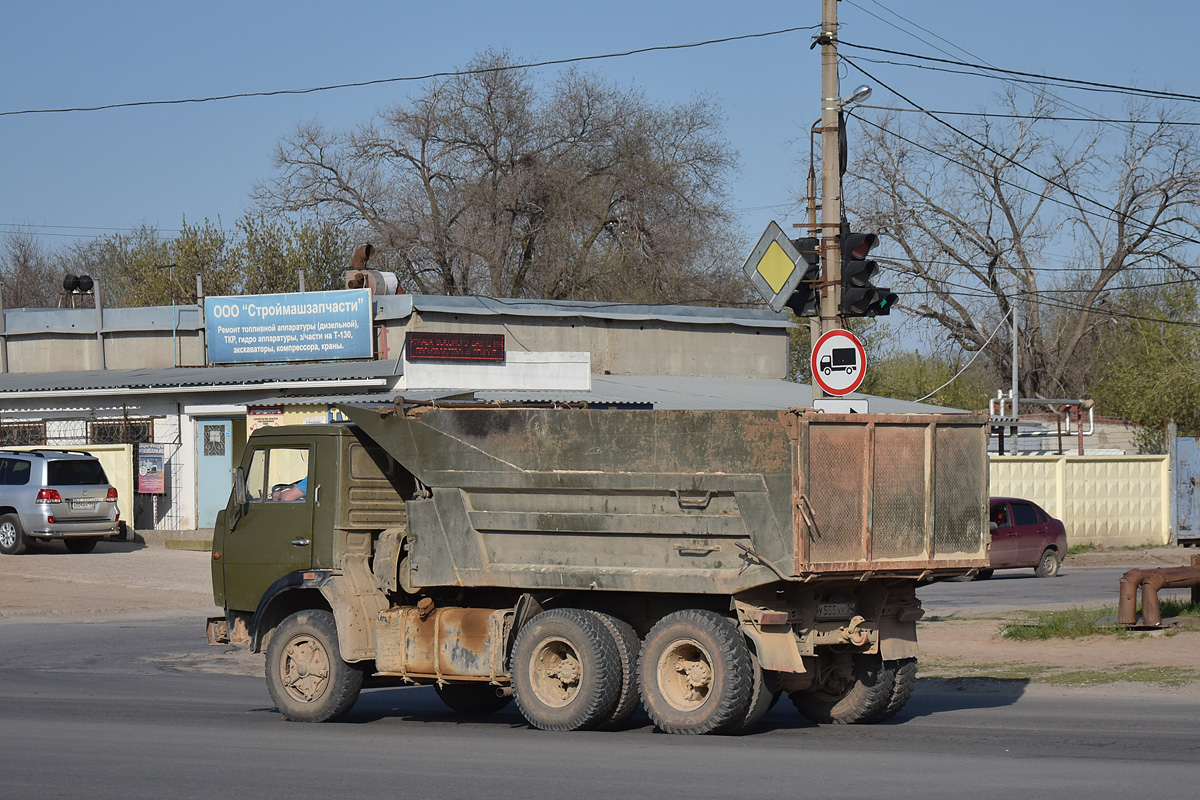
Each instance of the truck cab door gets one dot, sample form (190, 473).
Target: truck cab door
(273, 537)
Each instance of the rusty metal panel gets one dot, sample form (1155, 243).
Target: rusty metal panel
(837, 454)
(898, 492)
(959, 491)
(450, 642)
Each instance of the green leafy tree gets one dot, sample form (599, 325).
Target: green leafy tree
(1152, 360)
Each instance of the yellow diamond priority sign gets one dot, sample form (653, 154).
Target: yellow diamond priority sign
(772, 267)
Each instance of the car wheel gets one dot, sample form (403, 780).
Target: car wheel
(472, 698)
(80, 546)
(697, 674)
(566, 671)
(1048, 566)
(12, 538)
(857, 694)
(306, 676)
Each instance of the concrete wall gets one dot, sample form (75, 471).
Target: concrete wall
(1110, 501)
(625, 347)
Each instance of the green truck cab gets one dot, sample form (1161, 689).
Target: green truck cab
(584, 561)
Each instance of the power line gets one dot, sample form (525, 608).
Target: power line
(412, 78)
(1075, 83)
(1017, 164)
(1040, 117)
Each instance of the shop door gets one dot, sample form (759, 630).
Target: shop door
(214, 468)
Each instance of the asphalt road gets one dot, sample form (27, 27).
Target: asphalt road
(113, 709)
(1021, 589)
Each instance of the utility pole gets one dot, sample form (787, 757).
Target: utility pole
(831, 179)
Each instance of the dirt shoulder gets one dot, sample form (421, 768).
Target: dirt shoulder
(114, 580)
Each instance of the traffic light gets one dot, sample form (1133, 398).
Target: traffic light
(806, 300)
(859, 297)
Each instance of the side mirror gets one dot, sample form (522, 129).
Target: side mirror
(239, 486)
(993, 525)
(238, 505)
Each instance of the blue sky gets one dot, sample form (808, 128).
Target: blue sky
(86, 173)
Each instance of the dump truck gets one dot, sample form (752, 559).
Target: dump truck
(584, 561)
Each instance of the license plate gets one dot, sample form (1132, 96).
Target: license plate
(835, 610)
(83, 506)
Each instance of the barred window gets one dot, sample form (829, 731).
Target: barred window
(121, 431)
(22, 434)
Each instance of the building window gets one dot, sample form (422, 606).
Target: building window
(214, 440)
(23, 434)
(121, 431)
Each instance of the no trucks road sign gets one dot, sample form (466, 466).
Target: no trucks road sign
(838, 362)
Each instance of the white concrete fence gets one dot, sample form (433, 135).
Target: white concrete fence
(1110, 501)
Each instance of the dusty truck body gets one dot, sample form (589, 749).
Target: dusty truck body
(581, 561)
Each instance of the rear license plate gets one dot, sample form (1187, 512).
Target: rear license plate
(83, 506)
(835, 610)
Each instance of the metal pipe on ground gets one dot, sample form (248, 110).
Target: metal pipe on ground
(1151, 581)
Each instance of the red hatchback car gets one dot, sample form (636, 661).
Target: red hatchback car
(1024, 535)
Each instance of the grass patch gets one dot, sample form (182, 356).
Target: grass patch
(1071, 623)
(1076, 549)
(1159, 676)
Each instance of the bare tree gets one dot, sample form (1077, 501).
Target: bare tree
(484, 184)
(28, 273)
(1019, 215)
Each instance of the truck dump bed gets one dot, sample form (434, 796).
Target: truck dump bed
(684, 501)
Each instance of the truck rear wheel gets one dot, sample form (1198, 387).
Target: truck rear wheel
(472, 698)
(763, 698)
(12, 538)
(853, 694)
(905, 671)
(306, 675)
(629, 649)
(696, 674)
(566, 671)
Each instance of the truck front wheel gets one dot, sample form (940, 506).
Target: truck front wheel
(697, 674)
(857, 693)
(306, 676)
(566, 671)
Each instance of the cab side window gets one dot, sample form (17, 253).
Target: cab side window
(1000, 516)
(278, 474)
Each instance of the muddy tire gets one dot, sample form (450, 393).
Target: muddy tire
(697, 675)
(80, 546)
(1048, 566)
(859, 699)
(763, 697)
(629, 650)
(306, 675)
(13, 541)
(566, 671)
(472, 698)
(903, 684)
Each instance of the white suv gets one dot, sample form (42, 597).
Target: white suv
(54, 494)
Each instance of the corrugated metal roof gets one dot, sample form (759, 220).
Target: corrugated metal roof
(400, 306)
(164, 377)
(679, 392)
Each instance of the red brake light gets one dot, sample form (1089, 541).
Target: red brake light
(112, 495)
(48, 496)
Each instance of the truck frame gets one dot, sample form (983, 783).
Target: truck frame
(583, 561)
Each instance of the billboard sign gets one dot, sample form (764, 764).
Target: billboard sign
(151, 464)
(296, 326)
